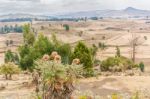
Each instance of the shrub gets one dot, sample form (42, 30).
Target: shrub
(28, 35)
(136, 96)
(11, 57)
(115, 96)
(57, 78)
(83, 53)
(117, 51)
(65, 52)
(43, 46)
(141, 65)
(27, 57)
(89, 72)
(102, 46)
(66, 26)
(116, 61)
(9, 69)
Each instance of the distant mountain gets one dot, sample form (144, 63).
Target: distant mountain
(125, 13)
(128, 12)
(22, 15)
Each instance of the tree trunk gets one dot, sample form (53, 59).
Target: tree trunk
(6, 76)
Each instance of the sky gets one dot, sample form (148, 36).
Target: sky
(48, 7)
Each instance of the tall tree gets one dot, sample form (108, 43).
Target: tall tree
(28, 35)
(118, 51)
(82, 52)
(43, 45)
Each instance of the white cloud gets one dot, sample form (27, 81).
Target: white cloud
(55, 6)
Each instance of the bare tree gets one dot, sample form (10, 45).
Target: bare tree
(134, 43)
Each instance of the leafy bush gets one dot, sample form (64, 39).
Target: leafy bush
(43, 46)
(27, 57)
(66, 26)
(121, 62)
(89, 72)
(9, 69)
(102, 46)
(115, 96)
(83, 53)
(40, 47)
(57, 78)
(64, 50)
(11, 57)
(141, 65)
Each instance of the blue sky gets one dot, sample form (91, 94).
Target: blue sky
(61, 6)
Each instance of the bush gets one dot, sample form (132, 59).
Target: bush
(117, 51)
(11, 57)
(120, 62)
(89, 72)
(65, 52)
(27, 57)
(9, 69)
(66, 26)
(83, 53)
(43, 46)
(58, 79)
(141, 65)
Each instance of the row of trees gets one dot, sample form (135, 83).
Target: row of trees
(9, 29)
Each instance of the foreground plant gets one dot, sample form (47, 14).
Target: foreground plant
(57, 79)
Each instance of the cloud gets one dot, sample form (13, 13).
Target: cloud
(57, 6)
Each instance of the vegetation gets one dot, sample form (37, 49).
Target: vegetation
(83, 53)
(11, 57)
(141, 65)
(43, 46)
(102, 46)
(27, 57)
(117, 51)
(28, 35)
(94, 18)
(26, 51)
(16, 20)
(8, 69)
(34, 49)
(116, 64)
(11, 29)
(67, 27)
(57, 79)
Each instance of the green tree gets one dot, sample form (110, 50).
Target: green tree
(11, 57)
(141, 65)
(43, 45)
(9, 69)
(118, 51)
(83, 53)
(94, 50)
(27, 57)
(64, 51)
(26, 51)
(66, 26)
(28, 35)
